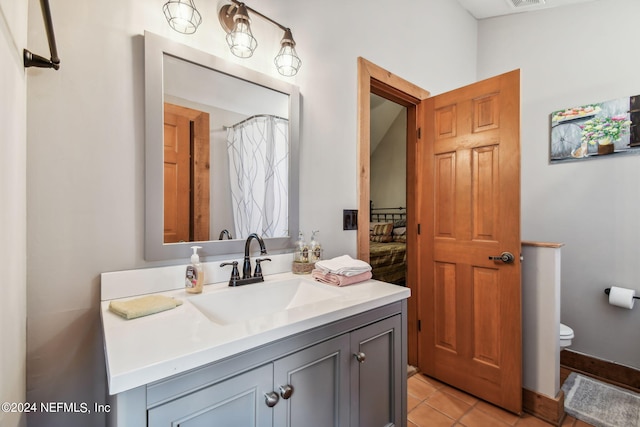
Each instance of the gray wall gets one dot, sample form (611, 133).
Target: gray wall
(86, 148)
(13, 207)
(572, 56)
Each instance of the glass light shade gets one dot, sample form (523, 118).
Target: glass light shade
(182, 16)
(287, 61)
(241, 40)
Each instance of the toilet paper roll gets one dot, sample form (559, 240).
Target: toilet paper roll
(622, 297)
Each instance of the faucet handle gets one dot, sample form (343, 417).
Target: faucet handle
(258, 271)
(235, 274)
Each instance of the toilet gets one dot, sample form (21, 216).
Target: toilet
(566, 335)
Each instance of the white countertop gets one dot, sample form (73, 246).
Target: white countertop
(150, 348)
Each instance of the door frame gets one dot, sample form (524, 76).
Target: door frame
(374, 79)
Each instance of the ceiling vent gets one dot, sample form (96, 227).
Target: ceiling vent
(525, 3)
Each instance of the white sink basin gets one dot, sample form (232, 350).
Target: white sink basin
(247, 302)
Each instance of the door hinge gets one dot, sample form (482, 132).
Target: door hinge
(418, 228)
(419, 133)
(419, 325)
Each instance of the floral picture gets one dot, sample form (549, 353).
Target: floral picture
(593, 130)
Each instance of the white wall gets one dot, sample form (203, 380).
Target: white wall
(13, 196)
(410, 39)
(571, 56)
(388, 166)
(86, 148)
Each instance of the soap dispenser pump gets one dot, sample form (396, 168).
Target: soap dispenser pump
(195, 275)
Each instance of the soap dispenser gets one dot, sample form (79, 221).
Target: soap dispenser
(195, 275)
(315, 247)
(302, 250)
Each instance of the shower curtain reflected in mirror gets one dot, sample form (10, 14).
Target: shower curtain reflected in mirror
(258, 149)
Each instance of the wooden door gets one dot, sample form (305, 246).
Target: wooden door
(186, 174)
(177, 171)
(469, 210)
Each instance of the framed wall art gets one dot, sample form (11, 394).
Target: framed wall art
(595, 130)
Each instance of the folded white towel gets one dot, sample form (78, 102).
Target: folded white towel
(344, 265)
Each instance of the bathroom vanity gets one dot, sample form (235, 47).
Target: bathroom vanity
(286, 352)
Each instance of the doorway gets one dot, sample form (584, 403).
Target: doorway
(463, 186)
(388, 189)
(376, 80)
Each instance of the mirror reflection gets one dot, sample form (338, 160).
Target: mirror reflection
(221, 154)
(226, 156)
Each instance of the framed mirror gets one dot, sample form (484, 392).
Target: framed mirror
(221, 154)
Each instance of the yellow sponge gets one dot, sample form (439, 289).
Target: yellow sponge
(143, 306)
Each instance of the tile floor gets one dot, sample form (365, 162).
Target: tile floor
(434, 404)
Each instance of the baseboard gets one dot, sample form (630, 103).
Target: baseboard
(544, 407)
(610, 372)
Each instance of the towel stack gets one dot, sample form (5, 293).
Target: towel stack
(341, 271)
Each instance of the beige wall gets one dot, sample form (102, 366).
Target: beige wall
(86, 148)
(85, 186)
(13, 224)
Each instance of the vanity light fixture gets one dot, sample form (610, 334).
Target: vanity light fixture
(287, 60)
(234, 19)
(240, 39)
(183, 17)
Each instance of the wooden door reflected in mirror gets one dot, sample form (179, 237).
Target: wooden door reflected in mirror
(186, 174)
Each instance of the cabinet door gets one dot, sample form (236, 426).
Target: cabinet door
(377, 374)
(236, 402)
(314, 386)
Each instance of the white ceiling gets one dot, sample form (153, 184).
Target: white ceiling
(481, 9)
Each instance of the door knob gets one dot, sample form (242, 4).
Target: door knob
(286, 391)
(271, 399)
(360, 357)
(506, 257)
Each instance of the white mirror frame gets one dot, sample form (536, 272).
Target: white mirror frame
(155, 248)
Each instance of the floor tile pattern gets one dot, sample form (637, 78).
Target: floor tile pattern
(431, 403)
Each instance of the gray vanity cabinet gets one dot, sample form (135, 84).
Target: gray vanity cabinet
(349, 373)
(308, 388)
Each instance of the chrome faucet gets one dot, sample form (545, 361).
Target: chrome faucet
(247, 277)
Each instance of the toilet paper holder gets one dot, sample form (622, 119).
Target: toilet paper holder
(608, 290)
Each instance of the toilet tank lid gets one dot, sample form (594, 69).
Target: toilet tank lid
(565, 331)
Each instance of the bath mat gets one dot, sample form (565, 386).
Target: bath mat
(600, 404)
